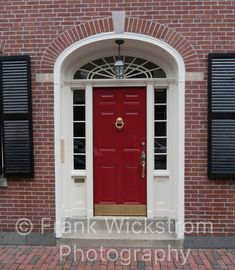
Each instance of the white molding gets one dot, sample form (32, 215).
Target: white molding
(107, 83)
(77, 173)
(58, 165)
(181, 137)
(150, 149)
(174, 56)
(89, 149)
(189, 76)
(161, 173)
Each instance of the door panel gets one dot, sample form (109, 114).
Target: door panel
(119, 187)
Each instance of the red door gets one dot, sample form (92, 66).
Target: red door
(119, 171)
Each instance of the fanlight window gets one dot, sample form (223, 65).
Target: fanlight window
(134, 68)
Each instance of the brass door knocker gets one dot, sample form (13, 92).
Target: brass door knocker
(119, 123)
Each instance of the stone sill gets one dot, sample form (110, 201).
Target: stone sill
(3, 182)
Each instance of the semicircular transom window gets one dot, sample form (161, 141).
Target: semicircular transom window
(135, 67)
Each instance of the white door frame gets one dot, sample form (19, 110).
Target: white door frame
(57, 120)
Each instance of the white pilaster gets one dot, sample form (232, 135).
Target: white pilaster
(89, 149)
(150, 149)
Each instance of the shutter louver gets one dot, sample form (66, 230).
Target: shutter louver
(221, 115)
(16, 116)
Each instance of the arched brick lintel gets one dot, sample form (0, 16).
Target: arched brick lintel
(132, 25)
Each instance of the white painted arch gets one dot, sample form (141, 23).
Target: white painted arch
(167, 58)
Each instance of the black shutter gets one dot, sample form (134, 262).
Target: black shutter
(221, 116)
(16, 116)
(1, 157)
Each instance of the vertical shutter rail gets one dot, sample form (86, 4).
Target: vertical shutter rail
(16, 116)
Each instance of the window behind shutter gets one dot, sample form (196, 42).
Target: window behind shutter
(16, 116)
(221, 117)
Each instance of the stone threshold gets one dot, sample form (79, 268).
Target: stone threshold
(120, 232)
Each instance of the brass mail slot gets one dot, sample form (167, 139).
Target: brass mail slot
(79, 180)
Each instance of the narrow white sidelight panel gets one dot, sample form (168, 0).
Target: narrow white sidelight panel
(150, 149)
(89, 149)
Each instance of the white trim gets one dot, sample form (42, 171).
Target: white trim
(118, 82)
(161, 173)
(189, 76)
(58, 167)
(57, 117)
(150, 149)
(76, 173)
(181, 137)
(134, 69)
(89, 149)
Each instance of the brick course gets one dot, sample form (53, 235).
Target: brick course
(43, 29)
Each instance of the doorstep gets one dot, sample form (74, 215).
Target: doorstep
(120, 232)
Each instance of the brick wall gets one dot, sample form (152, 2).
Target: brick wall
(45, 28)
